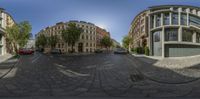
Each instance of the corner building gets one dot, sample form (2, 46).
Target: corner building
(173, 30)
(86, 43)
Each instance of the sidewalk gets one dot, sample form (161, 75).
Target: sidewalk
(171, 62)
(5, 57)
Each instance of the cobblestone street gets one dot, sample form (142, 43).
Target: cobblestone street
(98, 75)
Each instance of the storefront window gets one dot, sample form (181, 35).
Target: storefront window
(171, 35)
(156, 36)
(198, 38)
(187, 35)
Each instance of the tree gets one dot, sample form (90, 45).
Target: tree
(41, 41)
(52, 41)
(127, 40)
(71, 35)
(18, 35)
(106, 42)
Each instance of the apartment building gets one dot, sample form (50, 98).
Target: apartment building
(86, 43)
(139, 30)
(100, 34)
(6, 20)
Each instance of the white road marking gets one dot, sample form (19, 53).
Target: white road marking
(36, 58)
(70, 73)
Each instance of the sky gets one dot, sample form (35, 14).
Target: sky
(113, 15)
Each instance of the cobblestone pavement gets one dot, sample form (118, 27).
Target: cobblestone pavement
(96, 75)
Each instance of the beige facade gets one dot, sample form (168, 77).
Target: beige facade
(5, 21)
(86, 43)
(139, 30)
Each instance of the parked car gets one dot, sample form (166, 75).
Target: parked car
(56, 51)
(25, 51)
(98, 51)
(120, 51)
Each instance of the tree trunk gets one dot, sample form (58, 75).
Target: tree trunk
(15, 48)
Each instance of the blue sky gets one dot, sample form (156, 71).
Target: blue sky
(114, 15)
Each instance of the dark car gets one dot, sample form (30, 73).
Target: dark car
(56, 51)
(120, 51)
(98, 51)
(25, 51)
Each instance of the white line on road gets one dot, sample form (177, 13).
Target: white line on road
(36, 58)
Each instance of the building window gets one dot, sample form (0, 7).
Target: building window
(175, 19)
(86, 44)
(156, 36)
(187, 35)
(1, 22)
(183, 19)
(82, 36)
(86, 50)
(171, 35)
(152, 22)
(198, 38)
(58, 45)
(158, 21)
(86, 37)
(142, 29)
(194, 21)
(166, 19)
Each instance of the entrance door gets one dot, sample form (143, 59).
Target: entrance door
(80, 47)
(157, 46)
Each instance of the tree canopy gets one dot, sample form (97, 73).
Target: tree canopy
(127, 40)
(106, 41)
(18, 34)
(72, 34)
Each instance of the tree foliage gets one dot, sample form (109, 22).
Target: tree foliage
(72, 34)
(41, 41)
(52, 41)
(18, 34)
(127, 40)
(106, 41)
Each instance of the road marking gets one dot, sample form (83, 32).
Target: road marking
(70, 73)
(36, 58)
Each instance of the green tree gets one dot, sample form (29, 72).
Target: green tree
(41, 41)
(106, 42)
(18, 35)
(71, 35)
(52, 41)
(127, 40)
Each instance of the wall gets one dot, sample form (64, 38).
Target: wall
(179, 50)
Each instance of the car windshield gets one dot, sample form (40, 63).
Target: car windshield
(99, 49)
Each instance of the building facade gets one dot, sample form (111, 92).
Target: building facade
(5, 21)
(86, 43)
(139, 30)
(100, 34)
(173, 30)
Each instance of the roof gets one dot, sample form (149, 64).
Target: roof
(162, 6)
